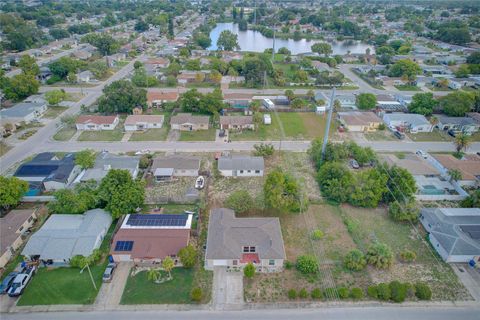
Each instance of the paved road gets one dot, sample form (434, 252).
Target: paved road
(357, 313)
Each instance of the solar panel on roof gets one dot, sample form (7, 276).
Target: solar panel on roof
(157, 220)
(124, 246)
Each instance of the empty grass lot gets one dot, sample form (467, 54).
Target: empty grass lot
(65, 133)
(150, 135)
(103, 135)
(435, 135)
(140, 290)
(297, 126)
(4, 148)
(199, 135)
(53, 112)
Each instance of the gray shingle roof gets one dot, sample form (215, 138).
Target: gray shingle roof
(456, 229)
(66, 235)
(227, 235)
(106, 161)
(21, 110)
(176, 162)
(241, 163)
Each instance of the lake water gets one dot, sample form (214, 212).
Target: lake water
(254, 41)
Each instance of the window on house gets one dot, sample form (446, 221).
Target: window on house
(20, 229)
(30, 219)
(235, 262)
(249, 171)
(257, 171)
(271, 262)
(248, 249)
(241, 171)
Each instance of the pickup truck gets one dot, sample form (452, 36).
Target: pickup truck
(21, 281)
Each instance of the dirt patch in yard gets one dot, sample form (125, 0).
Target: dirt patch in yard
(173, 191)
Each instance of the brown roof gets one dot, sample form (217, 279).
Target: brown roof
(236, 120)
(143, 118)
(152, 243)
(157, 61)
(357, 118)
(96, 119)
(469, 166)
(182, 118)
(156, 95)
(413, 163)
(9, 226)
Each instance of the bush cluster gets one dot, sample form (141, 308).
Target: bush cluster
(397, 291)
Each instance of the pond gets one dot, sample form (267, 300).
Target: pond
(254, 41)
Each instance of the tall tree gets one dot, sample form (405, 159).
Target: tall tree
(322, 48)
(366, 101)
(282, 192)
(405, 68)
(85, 158)
(11, 191)
(28, 65)
(423, 103)
(457, 103)
(171, 31)
(227, 41)
(122, 96)
(462, 141)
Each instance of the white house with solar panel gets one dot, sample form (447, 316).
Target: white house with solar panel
(64, 236)
(148, 238)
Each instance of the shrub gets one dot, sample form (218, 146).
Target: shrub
(188, 256)
(343, 292)
(405, 211)
(316, 294)
(263, 150)
(292, 294)
(288, 265)
(330, 293)
(398, 291)
(145, 161)
(77, 261)
(355, 260)
(317, 234)
(356, 293)
(303, 294)
(240, 201)
(372, 291)
(422, 291)
(380, 256)
(196, 294)
(307, 264)
(408, 255)
(381, 126)
(383, 291)
(249, 270)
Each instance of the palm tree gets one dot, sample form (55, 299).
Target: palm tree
(434, 120)
(167, 265)
(455, 175)
(153, 275)
(462, 141)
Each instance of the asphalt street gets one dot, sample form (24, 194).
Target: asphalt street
(354, 313)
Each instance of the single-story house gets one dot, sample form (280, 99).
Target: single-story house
(347, 100)
(24, 112)
(82, 54)
(241, 166)
(156, 98)
(469, 167)
(236, 122)
(96, 123)
(389, 104)
(189, 122)
(106, 161)
(85, 76)
(166, 168)
(407, 122)
(12, 227)
(143, 122)
(453, 232)
(115, 58)
(50, 171)
(467, 125)
(234, 242)
(150, 238)
(357, 121)
(64, 236)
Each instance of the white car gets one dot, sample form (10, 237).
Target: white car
(422, 154)
(20, 282)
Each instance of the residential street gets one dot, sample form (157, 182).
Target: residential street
(357, 313)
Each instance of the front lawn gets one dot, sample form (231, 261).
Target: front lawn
(103, 135)
(64, 134)
(199, 135)
(435, 135)
(4, 148)
(62, 286)
(53, 112)
(150, 135)
(380, 135)
(140, 290)
(406, 87)
(296, 126)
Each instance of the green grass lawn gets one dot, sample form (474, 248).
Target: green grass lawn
(150, 135)
(4, 148)
(62, 286)
(435, 135)
(407, 88)
(140, 290)
(199, 135)
(384, 135)
(104, 135)
(296, 126)
(53, 112)
(65, 134)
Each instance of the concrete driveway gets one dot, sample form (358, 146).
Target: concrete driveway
(110, 293)
(469, 277)
(227, 289)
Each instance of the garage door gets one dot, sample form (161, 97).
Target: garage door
(217, 263)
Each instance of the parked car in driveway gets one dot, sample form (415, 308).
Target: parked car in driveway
(20, 282)
(422, 154)
(7, 282)
(399, 135)
(108, 274)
